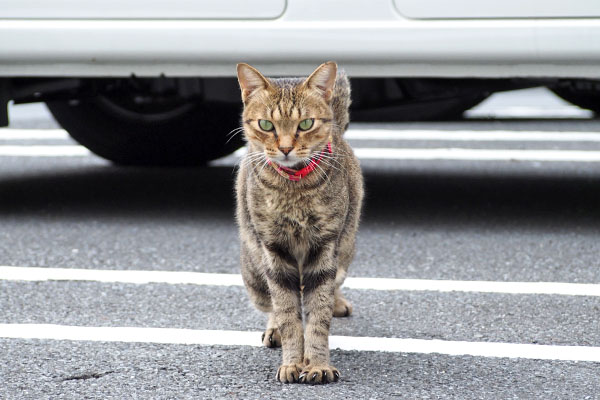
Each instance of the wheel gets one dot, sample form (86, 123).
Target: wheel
(587, 96)
(125, 131)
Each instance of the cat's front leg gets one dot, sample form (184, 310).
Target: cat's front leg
(318, 280)
(284, 285)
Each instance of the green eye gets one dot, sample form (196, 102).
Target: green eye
(306, 124)
(265, 125)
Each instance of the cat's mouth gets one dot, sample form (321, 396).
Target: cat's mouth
(296, 171)
(292, 163)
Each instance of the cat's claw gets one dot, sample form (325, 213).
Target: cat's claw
(289, 373)
(318, 374)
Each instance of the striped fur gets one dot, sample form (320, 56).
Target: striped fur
(297, 238)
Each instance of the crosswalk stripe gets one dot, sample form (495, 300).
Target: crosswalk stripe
(214, 279)
(477, 154)
(456, 154)
(528, 112)
(44, 151)
(472, 135)
(352, 343)
(33, 134)
(378, 134)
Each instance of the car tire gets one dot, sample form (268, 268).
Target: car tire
(188, 134)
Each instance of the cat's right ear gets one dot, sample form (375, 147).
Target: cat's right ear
(250, 80)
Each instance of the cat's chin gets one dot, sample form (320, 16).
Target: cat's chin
(292, 164)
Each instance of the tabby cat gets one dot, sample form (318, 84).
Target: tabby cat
(299, 194)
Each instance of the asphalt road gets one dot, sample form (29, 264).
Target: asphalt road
(505, 220)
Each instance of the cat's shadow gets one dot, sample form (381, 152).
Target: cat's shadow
(392, 196)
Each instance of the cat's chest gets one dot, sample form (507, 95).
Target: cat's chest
(290, 218)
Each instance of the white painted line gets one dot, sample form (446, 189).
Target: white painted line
(464, 348)
(243, 338)
(530, 112)
(130, 334)
(554, 288)
(33, 134)
(197, 278)
(456, 154)
(44, 151)
(119, 276)
(377, 134)
(240, 152)
(475, 136)
(461, 154)
(397, 153)
(477, 154)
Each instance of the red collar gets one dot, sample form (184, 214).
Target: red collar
(296, 175)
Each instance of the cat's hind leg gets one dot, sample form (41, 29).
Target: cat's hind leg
(341, 307)
(271, 337)
(258, 290)
(259, 294)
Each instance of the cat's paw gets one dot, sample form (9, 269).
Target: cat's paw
(271, 338)
(289, 373)
(342, 307)
(314, 374)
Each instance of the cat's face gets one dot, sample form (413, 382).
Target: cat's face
(289, 121)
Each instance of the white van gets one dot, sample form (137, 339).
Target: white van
(153, 82)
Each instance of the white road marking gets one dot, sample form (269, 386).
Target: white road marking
(477, 154)
(461, 154)
(456, 154)
(474, 136)
(555, 288)
(44, 151)
(525, 112)
(118, 276)
(378, 134)
(37, 274)
(243, 338)
(370, 153)
(33, 134)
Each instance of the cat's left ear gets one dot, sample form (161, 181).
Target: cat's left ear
(323, 79)
(250, 80)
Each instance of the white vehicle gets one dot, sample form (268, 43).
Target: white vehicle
(153, 82)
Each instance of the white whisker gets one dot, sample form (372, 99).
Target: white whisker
(325, 173)
(331, 165)
(332, 160)
(234, 133)
(265, 163)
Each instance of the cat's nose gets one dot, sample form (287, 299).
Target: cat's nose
(286, 150)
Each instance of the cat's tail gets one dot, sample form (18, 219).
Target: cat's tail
(341, 102)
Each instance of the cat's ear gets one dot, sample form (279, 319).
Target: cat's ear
(323, 79)
(250, 80)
